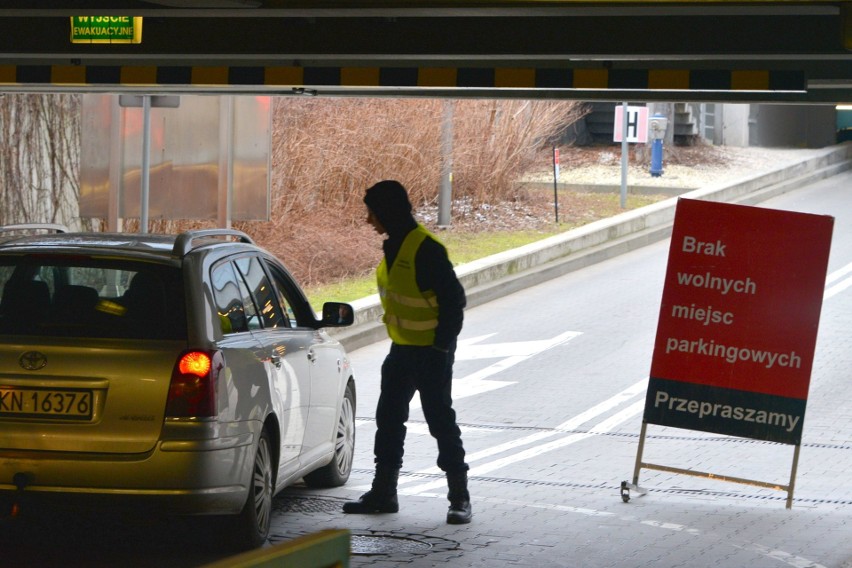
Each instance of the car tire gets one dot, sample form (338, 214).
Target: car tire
(336, 473)
(254, 520)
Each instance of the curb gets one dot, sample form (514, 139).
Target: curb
(504, 273)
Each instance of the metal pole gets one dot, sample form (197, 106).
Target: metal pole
(624, 153)
(146, 163)
(640, 451)
(556, 182)
(792, 485)
(445, 197)
(226, 161)
(116, 166)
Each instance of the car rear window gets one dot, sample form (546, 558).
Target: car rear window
(81, 296)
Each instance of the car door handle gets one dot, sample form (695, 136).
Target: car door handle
(276, 360)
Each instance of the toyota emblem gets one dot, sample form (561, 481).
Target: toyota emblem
(33, 360)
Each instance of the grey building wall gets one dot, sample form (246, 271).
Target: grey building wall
(792, 126)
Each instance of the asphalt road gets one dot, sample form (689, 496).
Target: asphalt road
(549, 387)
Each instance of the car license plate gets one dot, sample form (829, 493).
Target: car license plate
(74, 404)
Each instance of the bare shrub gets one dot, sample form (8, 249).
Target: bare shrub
(496, 141)
(40, 159)
(326, 152)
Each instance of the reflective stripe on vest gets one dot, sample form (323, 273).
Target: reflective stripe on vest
(411, 316)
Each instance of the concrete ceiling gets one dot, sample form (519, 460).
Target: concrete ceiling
(775, 51)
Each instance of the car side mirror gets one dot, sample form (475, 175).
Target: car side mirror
(337, 314)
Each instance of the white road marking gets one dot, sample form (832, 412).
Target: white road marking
(780, 555)
(517, 351)
(472, 348)
(756, 548)
(845, 278)
(840, 273)
(603, 427)
(567, 426)
(510, 354)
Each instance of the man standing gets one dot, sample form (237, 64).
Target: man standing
(423, 303)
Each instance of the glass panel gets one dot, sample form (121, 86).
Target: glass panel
(229, 299)
(80, 296)
(270, 314)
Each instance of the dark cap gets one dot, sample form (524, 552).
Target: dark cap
(388, 200)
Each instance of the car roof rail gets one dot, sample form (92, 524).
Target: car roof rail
(184, 242)
(32, 227)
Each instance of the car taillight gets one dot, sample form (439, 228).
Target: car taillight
(192, 392)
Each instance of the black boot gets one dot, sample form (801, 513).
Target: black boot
(381, 498)
(460, 511)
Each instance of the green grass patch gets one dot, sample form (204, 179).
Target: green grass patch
(464, 246)
(467, 247)
(344, 291)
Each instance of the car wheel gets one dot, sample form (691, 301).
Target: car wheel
(336, 473)
(253, 522)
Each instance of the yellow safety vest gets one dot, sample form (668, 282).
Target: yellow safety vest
(411, 316)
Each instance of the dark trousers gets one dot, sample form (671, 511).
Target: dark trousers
(412, 368)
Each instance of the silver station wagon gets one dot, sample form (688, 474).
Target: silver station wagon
(184, 373)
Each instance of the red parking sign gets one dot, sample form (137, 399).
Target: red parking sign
(738, 320)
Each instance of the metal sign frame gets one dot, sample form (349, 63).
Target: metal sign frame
(627, 487)
(735, 343)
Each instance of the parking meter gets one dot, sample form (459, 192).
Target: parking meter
(657, 125)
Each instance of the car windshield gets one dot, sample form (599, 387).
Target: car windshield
(57, 295)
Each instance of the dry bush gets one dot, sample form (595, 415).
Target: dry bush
(40, 159)
(496, 141)
(326, 152)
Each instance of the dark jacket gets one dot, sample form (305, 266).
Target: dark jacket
(389, 203)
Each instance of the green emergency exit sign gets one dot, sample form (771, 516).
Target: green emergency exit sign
(106, 29)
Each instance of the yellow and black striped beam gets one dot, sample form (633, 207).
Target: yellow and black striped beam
(262, 77)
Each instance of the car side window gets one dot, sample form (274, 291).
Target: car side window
(251, 311)
(285, 304)
(269, 312)
(283, 288)
(229, 299)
